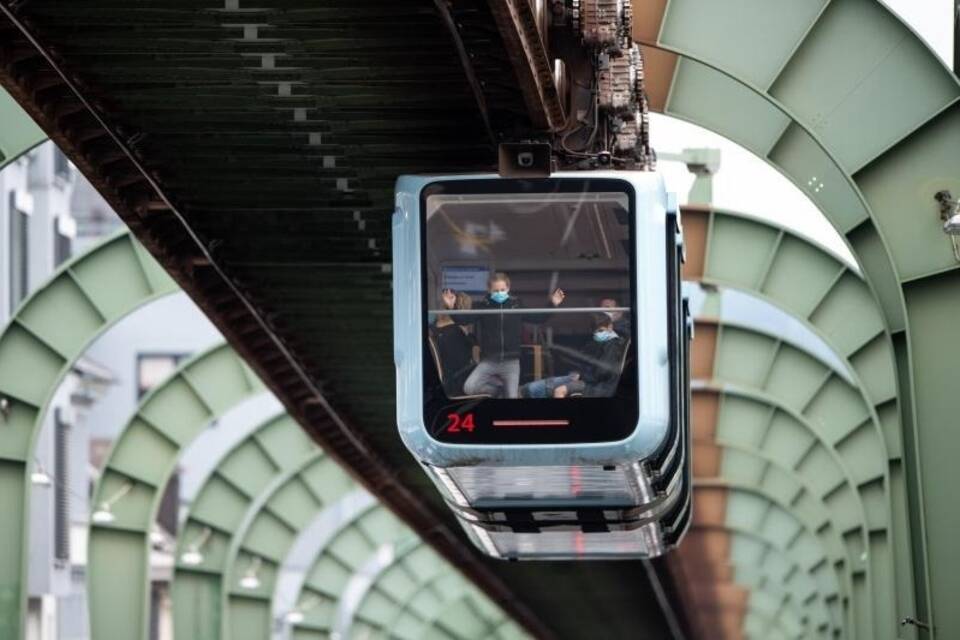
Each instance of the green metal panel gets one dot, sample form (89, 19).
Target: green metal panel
(46, 351)
(740, 250)
(718, 31)
(18, 132)
(801, 158)
(713, 100)
(144, 457)
(796, 258)
(849, 317)
(935, 308)
(861, 82)
(743, 356)
(900, 187)
(837, 413)
(865, 87)
(794, 376)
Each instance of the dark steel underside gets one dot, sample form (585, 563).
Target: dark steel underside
(253, 151)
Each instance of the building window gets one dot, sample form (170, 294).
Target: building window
(61, 489)
(61, 166)
(154, 368)
(62, 244)
(19, 253)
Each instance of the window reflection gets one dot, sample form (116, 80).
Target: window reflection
(528, 294)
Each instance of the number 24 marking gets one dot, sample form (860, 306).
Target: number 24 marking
(457, 423)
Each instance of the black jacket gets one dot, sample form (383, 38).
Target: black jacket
(499, 334)
(455, 349)
(600, 370)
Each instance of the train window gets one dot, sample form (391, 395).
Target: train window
(529, 320)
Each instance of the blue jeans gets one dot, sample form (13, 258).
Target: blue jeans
(544, 388)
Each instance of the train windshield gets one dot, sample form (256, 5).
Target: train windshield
(528, 294)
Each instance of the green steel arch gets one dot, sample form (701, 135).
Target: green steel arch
(95, 290)
(789, 549)
(851, 106)
(18, 132)
(136, 472)
(758, 564)
(750, 508)
(747, 466)
(766, 260)
(249, 510)
(392, 588)
(241, 484)
(355, 542)
(746, 358)
(834, 301)
(832, 406)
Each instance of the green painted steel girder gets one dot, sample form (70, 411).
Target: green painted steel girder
(747, 358)
(851, 106)
(37, 350)
(767, 261)
(397, 589)
(248, 509)
(135, 475)
(816, 287)
(216, 511)
(759, 563)
(354, 543)
(393, 587)
(18, 132)
(748, 466)
(750, 508)
(784, 449)
(248, 513)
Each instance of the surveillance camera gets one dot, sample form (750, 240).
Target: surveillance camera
(524, 160)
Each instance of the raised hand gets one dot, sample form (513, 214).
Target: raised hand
(557, 297)
(449, 298)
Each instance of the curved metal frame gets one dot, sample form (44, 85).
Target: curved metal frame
(140, 463)
(19, 133)
(464, 592)
(763, 463)
(862, 485)
(749, 539)
(214, 508)
(99, 288)
(738, 251)
(863, 172)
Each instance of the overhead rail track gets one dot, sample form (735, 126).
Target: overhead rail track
(108, 155)
(331, 153)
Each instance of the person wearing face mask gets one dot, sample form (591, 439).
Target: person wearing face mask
(499, 336)
(620, 323)
(597, 377)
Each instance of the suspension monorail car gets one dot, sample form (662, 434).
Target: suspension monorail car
(542, 348)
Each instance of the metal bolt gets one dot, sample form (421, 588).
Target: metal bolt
(917, 623)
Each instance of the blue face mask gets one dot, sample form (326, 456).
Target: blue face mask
(604, 336)
(500, 296)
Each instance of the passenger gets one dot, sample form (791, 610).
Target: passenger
(620, 323)
(499, 336)
(455, 349)
(598, 376)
